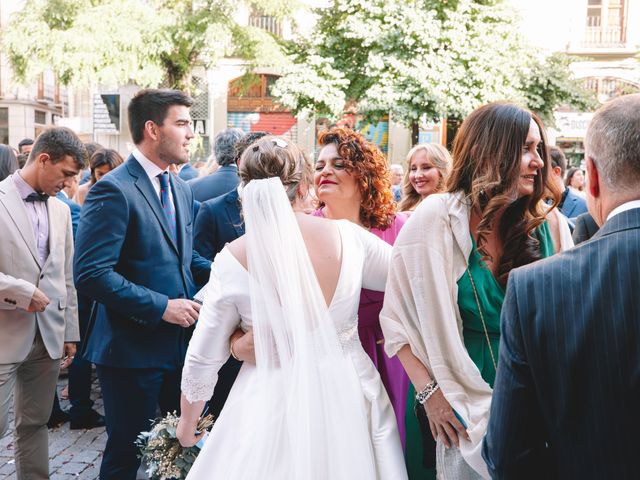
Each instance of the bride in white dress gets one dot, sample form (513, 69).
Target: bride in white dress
(313, 406)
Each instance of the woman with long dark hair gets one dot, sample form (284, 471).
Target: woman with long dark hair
(449, 270)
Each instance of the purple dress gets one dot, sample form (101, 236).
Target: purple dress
(391, 371)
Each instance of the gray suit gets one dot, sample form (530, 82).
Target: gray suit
(568, 384)
(32, 343)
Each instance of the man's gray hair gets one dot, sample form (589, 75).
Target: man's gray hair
(613, 142)
(224, 145)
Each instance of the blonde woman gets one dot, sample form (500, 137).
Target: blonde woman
(428, 167)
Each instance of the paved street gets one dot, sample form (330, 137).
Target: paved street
(74, 454)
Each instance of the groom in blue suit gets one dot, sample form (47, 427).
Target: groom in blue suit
(134, 258)
(566, 395)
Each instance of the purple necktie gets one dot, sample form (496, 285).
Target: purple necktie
(167, 208)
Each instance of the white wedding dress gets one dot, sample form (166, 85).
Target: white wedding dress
(328, 419)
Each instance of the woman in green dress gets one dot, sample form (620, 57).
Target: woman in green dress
(450, 266)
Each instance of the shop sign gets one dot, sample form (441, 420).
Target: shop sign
(572, 124)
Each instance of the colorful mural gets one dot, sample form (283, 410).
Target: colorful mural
(377, 134)
(280, 123)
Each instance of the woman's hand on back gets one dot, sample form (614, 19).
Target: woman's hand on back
(243, 347)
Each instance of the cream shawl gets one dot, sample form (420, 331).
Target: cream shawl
(421, 309)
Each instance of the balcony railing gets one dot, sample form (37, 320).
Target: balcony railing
(266, 22)
(607, 88)
(604, 37)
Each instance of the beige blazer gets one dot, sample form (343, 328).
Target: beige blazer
(21, 273)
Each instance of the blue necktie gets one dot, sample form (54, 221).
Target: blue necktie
(167, 208)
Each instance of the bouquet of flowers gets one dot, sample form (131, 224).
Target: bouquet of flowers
(161, 451)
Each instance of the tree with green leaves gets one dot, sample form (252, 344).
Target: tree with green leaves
(548, 84)
(411, 58)
(150, 43)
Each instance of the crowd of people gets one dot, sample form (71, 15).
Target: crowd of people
(340, 317)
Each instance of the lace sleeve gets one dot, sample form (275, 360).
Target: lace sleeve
(209, 347)
(197, 390)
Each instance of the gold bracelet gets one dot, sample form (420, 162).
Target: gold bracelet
(232, 352)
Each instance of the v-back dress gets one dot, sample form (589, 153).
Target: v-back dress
(227, 305)
(391, 370)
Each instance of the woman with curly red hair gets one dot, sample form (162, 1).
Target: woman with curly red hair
(352, 182)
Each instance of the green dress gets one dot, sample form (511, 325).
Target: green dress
(490, 297)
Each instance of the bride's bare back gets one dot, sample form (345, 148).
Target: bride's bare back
(324, 245)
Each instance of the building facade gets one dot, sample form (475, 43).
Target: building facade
(26, 110)
(604, 38)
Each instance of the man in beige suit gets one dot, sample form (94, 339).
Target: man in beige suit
(38, 303)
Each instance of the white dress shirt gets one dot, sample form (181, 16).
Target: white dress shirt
(623, 208)
(38, 217)
(152, 171)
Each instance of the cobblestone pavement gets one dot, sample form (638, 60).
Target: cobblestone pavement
(73, 454)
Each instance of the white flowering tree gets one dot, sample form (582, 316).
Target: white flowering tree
(151, 42)
(415, 57)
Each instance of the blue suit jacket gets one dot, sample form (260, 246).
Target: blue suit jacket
(217, 223)
(188, 172)
(573, 205)
(222, 181)
(75, 211)
(568, 385)
(128, 263)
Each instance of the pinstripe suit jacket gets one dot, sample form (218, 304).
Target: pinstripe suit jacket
(566, 402)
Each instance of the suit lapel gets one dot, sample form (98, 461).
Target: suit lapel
(143, 184)
(18, 213)
(53, 230)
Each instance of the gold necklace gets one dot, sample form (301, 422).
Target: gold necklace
(484, 325)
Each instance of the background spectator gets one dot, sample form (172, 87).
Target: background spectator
(428, 167)
(187, 172)
(396, 180)
(8, 161)
(25, 146)
(226, 176)
(575, 180)
(571, 203)
(101, 163)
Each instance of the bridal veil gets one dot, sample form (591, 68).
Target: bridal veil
(310, 410)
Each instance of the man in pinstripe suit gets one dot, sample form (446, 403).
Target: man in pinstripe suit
(566, 402)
